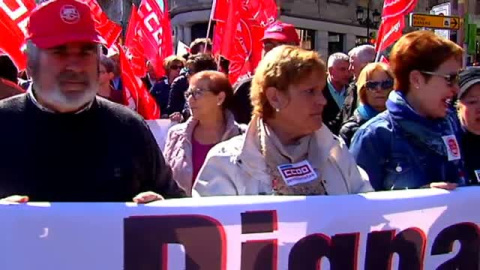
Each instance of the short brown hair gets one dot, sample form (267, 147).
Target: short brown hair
(366, 74)
(200, 62)
(420, 50)
(281, 67)
(172, 59)
(195, 45)
(217, 83)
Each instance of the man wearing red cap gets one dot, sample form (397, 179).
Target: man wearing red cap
(278, 33)
(62, 143)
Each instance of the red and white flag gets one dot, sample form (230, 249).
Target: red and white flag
(108, 29)
(156, 32)
(133, 44)
(240, 26)
(135, 94)
(14, 16)
(393, 22)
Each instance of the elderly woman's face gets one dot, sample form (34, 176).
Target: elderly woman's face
(433, 97)
(377, 89)
(469, 109)
(302, 106)
(202, 102)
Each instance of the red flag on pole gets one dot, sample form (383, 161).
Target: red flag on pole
(135, 93)
(133, 44)
(13, 22)
(239, 28)
(108, 29)
(156, 32)
(393, 22)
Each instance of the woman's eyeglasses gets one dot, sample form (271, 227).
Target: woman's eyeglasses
(175, 67)
(384, 85)
(195, 93)
(452, 79)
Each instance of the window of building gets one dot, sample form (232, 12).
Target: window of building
(307, 38)
(336, 42)
(199, 30)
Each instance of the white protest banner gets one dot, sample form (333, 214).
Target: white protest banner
(426, 229)
(159, 129)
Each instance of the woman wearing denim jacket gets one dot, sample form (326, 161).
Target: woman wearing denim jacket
(414, 143)
(209, 97)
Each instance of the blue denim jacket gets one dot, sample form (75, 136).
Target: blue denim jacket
(394, 159)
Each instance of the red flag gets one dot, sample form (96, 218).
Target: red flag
(134, 46)
(108, 29)
(393, 22)
(389, 32)
(384, 60)
(135, 93)
(396, 8)
(156, 33)
(13, 22)
(238, 32)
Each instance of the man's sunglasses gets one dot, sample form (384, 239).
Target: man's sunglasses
(452, 79)
(384, 85)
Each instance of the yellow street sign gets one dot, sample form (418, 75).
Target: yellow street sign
(435, 21)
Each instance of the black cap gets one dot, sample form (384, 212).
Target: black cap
(468, 78)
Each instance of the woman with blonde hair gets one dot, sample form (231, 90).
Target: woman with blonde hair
(373, 86)
(209, 98)
(286, 150)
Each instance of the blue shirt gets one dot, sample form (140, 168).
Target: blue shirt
(339, 97)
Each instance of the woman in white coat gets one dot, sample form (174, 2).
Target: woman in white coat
(286, 149)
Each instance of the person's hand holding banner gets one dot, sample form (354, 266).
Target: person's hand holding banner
(442, 185)
(14, 199)
(146, 197)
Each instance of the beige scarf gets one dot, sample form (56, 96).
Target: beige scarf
(277, 154)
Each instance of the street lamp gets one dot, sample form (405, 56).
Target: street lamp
(367, 20)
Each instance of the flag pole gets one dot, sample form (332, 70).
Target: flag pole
(214, 4)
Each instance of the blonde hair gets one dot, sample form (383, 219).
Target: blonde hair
(172, 59)
(281, 67)
(365, 76)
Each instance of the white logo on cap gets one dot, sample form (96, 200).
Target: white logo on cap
(69, 14)
(275, 28)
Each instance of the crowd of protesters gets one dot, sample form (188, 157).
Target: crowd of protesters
(299, 126)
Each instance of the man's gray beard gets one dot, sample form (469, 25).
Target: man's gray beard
(72, 103)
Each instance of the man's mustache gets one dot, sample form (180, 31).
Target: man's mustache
(70, 76)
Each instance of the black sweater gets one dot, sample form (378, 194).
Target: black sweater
(106, 153)
(470, 151)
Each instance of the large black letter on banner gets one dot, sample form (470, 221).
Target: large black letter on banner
(259, 254)
(341, 251)
(146, 239)
(469, 255)
(408, 244)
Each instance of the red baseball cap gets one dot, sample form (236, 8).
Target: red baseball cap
(58, 22)
(282, 32)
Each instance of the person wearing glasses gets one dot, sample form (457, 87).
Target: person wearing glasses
(106, 90)
(286, 149)
(415, 142)
(161, 89)
(374, 84)
(468, 107)
(176, 102)
(209, 97)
